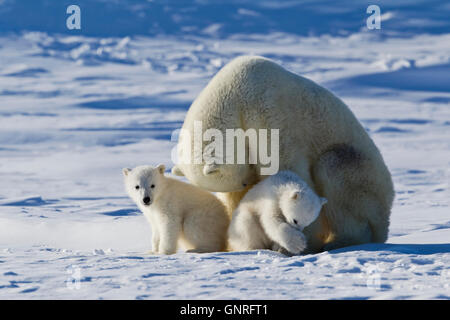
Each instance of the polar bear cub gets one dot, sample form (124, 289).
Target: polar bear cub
(273, 213)
(177, 211)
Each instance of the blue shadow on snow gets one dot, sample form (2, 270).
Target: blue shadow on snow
(422, 249)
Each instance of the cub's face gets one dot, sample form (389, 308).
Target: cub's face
(143, 183)
(301, 207)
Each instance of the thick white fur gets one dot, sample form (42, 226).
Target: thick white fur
(320, 140)
(177, 211)
(273, 214)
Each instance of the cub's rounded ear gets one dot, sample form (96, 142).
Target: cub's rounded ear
(210, 168)
(126, 171)
(177, 172)
(323, 201)
(161, 168)
(294, 195)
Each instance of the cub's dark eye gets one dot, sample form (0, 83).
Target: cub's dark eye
(152, 186)
(295, 221)
(137, 187)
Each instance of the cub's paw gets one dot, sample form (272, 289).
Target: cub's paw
(282, 250)
(296, 243)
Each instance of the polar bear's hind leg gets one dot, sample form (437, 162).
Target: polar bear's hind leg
(359, 192)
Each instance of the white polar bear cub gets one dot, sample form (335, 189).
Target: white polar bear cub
(273, 213)
(177, 211)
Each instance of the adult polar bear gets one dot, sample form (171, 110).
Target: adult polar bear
(320, 140)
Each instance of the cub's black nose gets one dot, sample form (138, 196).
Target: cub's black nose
(146, 200)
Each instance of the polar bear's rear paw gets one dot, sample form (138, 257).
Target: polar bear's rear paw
(296, 243)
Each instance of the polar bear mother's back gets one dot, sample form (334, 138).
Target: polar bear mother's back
(255, 92)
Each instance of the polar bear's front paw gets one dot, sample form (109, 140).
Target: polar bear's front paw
(296, 243)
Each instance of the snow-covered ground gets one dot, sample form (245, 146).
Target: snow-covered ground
(75, 109)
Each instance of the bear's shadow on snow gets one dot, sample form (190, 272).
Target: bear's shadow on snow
(422, 249)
